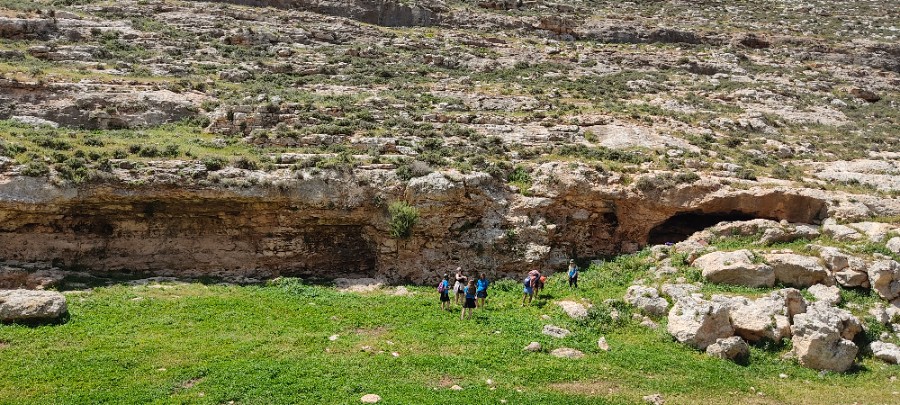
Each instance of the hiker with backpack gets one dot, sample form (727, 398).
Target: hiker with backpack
(537, 281)
(573, 274)
(469, 305)
(529, 288)
(481, 290)
(459, 286)
(444, 289)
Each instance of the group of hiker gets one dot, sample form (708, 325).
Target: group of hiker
(473, 293)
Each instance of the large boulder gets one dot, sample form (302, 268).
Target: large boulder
(767, 317)
(31, 305)
(732, 348)
(848, 271)
(841, 233)
(893, 244)
(830, 295)
(888, 352)
(798, 270)
(736, 268)
(698, 322)
(884, 275)
(573, 309)
(822, 338)
(646, 299)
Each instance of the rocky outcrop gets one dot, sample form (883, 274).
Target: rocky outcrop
(888, 352)
(798, 270)
(737, 268)
(647, 300)
(178, 218)
(22, 28)
(764, 318)
(732, 348)
(698, 322)
(822, 338)
(387, 13)
(30, 305)
(884, 275)
(830, 295)
(848, 271)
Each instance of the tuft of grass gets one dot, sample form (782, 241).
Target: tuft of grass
(403, 219)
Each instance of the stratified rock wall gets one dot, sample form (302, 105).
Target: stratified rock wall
(338, 226)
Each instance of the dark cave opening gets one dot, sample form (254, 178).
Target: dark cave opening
(681, 226)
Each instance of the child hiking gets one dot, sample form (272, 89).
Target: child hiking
(444, 289)
(481, 290)
(469, 305)
(573, 274)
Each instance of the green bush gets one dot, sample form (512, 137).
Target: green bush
(403, 218)
(213, 163)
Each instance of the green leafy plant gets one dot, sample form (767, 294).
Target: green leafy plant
(403, 218)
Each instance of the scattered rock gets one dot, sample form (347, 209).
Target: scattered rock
(370, 399)
(884, 275)
(654, 399)
(31, 305)
(698, 322)
(647, 300)
(732, 348)
(848, 271)
(894, 245)
(532, 347)
(797, 270)
(602, 344)
(841, 233)
(830, 295)
(864, 94)
(456, 388)
(876, 231)
(566, 353)
(822, 338)
(555, 331)
(574, 309)
(676, 291)
(736, 268)
(358, 284)
(888, 352)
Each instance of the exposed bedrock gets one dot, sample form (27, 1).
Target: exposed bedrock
(333, 225)
(380, 12)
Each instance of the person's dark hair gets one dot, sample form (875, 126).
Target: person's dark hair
(446, 276)
(482, 276)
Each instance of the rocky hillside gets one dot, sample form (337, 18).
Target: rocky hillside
(250, 139)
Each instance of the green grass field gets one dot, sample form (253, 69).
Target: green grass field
(213, 344)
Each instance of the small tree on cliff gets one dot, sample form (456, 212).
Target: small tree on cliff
(403, 218)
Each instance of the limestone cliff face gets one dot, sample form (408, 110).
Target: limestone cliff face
(379, 12)
(336, 225)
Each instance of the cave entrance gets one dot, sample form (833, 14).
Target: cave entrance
(681, 226)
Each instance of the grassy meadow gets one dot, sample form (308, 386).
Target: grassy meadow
(213, 344)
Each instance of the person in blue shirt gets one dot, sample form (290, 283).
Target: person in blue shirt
(481, 290)
(573, 274)
(444, 290)
(529, 289)
(469, 305)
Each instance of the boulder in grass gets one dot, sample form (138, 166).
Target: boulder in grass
(884, 276)
(567, 353)
(647, 300)
(735, 268)
(798, 270)
(732, 348)
(31, 305)
(698, 322)
(823, 338)
(574, 309)
(887, 352)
